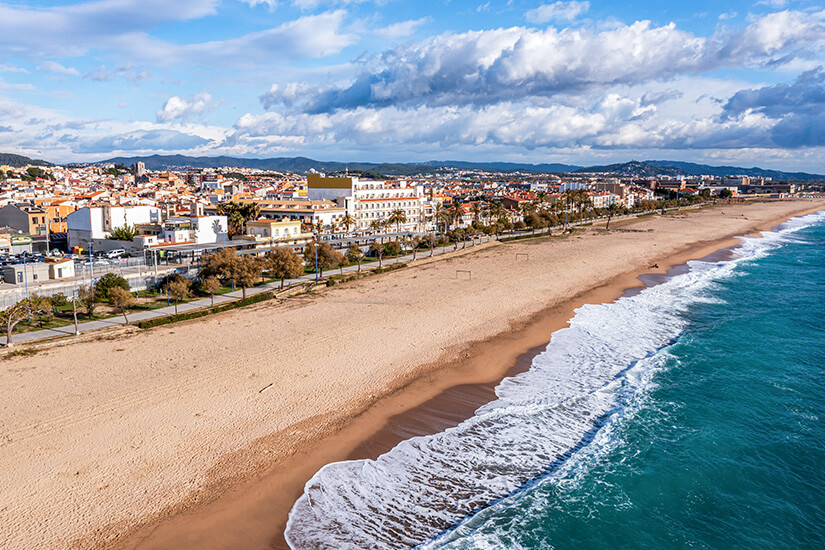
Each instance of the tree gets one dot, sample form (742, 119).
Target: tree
(221, 264)
(725, 193)
(86, 297)
(33, 306)
(328, 257)
(125, 233)
(610, 211)
(377, 249)
(475, 208)
(376, 225)
(107, 282)
(237, 214)
(355, 254)
(121, 299)
(397, 216)
(414, 243)
(211, 285)
(178, 289)
(393, 248)
(248, 269)
(347, 221)
(284, 263)
(58, 300)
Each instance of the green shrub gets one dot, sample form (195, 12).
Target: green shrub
(108, 281)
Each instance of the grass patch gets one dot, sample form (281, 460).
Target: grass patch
(22, 352)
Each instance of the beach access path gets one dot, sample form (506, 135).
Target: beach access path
(99, 436)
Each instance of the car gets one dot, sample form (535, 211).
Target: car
(116, 253)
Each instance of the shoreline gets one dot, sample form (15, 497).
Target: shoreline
(445, 392)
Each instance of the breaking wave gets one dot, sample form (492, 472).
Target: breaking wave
(427, 485)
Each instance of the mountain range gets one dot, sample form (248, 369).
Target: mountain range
(650, 168)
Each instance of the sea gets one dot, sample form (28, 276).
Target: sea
(688, 415)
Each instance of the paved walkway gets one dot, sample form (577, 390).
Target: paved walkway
(36, 335)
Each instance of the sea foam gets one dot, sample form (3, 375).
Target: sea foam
(427, 485)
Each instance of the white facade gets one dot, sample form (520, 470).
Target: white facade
(97, 222)
(376, 200)
(195, 229)
(210, 229)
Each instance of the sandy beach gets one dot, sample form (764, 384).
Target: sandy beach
(201, 434)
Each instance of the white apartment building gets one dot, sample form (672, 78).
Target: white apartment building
(367, 201)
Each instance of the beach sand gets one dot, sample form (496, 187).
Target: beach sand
(201, 434)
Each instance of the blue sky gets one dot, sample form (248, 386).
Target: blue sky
(389, 80)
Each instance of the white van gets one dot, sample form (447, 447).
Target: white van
(116, 253)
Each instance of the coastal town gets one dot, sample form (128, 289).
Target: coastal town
(59, 225)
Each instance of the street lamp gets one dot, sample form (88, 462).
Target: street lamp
(74, 311)
(315, 246)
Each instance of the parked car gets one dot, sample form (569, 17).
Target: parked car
(116, 253)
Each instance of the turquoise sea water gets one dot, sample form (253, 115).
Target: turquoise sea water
(689, 416)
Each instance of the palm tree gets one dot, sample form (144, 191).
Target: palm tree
(610, 211)
(347, 221)
(376, 225)
(454, 213)
(439, 214)
(397, 216)
(475, 208)
(569, 198)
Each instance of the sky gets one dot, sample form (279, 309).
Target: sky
(579, 82)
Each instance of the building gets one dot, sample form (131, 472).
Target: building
(309, 212)
(195, 229)
(276, 232)
(61, 269)
(28, 219)
(92, 223)
(140, 170)
(21, 273)
(368, 201)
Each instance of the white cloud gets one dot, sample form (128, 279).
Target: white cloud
(128, 72)
(401, 29)
(181, 109)
(271, 4)
(557, 11)
(485, 67)
(75, 29)
(122, 27)
(311, 36)
(57, 68)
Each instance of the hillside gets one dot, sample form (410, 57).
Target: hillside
(18, 161)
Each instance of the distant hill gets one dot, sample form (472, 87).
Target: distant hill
(637, 169)
(18, 161)
(303, 165)
(503, 166)
(280, 164)
(653, 168)
(699, 169)
(634, 169)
